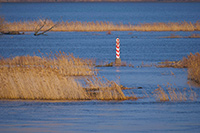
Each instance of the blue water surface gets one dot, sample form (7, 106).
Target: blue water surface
(133, 13)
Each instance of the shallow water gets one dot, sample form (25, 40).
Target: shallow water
(134, 46)
(97, 116)
(142, 115)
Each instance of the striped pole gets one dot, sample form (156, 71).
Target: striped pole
(117, 60)
(117, 48)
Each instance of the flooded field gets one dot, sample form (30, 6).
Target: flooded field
(141, 49)
(145, 114)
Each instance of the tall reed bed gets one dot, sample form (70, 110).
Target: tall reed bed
(27, 26)
(46, 85)
(54, 77)
(60, 63)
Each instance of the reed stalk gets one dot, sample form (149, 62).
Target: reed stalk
(174, 94)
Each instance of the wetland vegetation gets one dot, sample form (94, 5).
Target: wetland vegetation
(61, 76)
(67, 26)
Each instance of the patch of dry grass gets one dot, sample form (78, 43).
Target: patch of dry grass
(39, 85)
(174, 64)
(46, 85)
(174, 94)
(60, 63)
(193, 64)
(103, 89)
(27, 26)
(53, 77)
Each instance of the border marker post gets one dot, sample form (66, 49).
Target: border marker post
(117, 60)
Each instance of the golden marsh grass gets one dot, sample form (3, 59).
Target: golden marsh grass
(193, 64)
(60, 63)
(61, 76)
(30, 26)
(53, 77)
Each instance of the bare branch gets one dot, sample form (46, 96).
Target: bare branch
(36, 33)
(48, 29)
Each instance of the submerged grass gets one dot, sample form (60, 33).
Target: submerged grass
(31, 26)
(53, 77)
(192, 62)
(174, 94)
(178, 36)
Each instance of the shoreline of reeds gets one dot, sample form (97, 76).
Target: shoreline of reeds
(78, 26)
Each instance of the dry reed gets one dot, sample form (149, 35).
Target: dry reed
(53, 77)
(103, 89)
(61, 63)
(174, 94)
(192, 62)
(30, 26)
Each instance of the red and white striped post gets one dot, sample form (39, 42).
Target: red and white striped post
(117, 48)
(117, 60)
